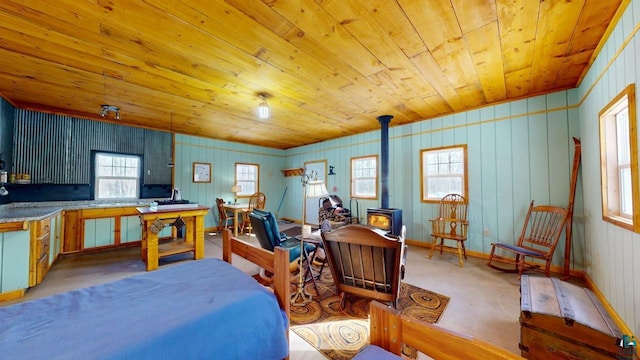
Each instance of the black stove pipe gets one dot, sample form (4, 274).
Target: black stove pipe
(384, 158)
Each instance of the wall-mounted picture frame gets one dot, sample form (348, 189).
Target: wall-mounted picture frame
(201, 172)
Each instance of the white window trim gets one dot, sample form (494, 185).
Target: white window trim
(355, 180)
(97, 178)
(242, 182)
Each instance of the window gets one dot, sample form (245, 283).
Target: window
(444, 171)
(247, 177)
(117, 176)
(364, 177)
(618, 151)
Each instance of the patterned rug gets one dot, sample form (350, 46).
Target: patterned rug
(340, 334)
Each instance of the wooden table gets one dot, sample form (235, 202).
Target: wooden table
(193, 240)
(237, 209)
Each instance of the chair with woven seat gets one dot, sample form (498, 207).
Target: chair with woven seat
(538, 240)
(257, 201)
(225, 221)
(451, 224)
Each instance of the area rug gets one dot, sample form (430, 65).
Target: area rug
(340, 334)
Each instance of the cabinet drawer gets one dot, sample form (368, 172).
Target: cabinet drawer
(42, 245)
(43, 227)
(42, 266)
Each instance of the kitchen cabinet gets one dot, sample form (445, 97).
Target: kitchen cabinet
(39, 250)
(97, 228)
(29, 244)
(14, 260)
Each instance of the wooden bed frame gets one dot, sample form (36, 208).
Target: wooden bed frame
(276, 262)
(389, 330)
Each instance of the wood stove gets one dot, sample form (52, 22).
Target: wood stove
(385, 218)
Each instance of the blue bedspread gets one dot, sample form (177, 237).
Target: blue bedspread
(204, 309)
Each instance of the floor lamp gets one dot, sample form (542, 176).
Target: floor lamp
(310, 189)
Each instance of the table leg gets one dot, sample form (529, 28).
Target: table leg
(235, 222)
(300, 298)
(152, 252)
(310, 269)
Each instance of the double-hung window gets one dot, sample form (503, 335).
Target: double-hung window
(618, 153)
(364, 177)
(117, 176)
(444, 171)
(247, 176)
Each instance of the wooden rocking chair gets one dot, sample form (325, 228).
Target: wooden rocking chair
(538, 240)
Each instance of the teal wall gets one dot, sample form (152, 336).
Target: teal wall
(223, 156)
(611, 253)
(517, 152)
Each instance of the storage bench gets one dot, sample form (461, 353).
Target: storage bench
(560, 320)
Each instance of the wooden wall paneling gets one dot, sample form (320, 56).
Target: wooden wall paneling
(560, 150)
(521, 172)
(539, 155)
(489, 182)
(504, 182)
(476, 212)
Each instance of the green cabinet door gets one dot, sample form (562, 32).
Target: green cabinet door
(14, 260)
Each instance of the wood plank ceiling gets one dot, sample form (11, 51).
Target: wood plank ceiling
(329, 67)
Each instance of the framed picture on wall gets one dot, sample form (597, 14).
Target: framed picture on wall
(201, 172)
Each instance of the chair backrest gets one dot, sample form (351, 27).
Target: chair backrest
(222, 214)
(543, 227)
(257, 201)
(364, 261)
(453, 210)
(265, 226)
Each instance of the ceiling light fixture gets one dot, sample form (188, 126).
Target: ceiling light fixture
(106, 108)
(263, 108)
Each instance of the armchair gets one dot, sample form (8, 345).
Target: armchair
(265, 227)
(365, 262)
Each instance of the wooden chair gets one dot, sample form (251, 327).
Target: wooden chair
(225, 221)
(538, 240)
(365, 262)
(451, 224)
(257, 201)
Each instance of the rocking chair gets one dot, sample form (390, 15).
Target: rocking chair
(538, 240)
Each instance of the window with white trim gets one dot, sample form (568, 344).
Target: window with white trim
(364, 177)
(117, 176)
(247, 176)
(444, 171)
(618, 150)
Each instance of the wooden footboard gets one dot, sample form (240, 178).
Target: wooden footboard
(276, 262)
(389, 330)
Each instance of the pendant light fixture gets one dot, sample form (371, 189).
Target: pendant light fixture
(263, 108)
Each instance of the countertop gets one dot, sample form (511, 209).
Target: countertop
(35, 211)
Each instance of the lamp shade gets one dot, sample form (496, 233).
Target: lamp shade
(317, 189)
(236, 189)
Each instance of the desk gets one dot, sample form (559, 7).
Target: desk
(237, 209)
(193, 217)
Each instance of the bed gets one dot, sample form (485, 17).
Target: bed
(193, 310)
(388, 330)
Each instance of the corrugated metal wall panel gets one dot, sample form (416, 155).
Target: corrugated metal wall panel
(57, 149)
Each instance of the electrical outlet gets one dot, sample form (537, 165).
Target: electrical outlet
(486, 232)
